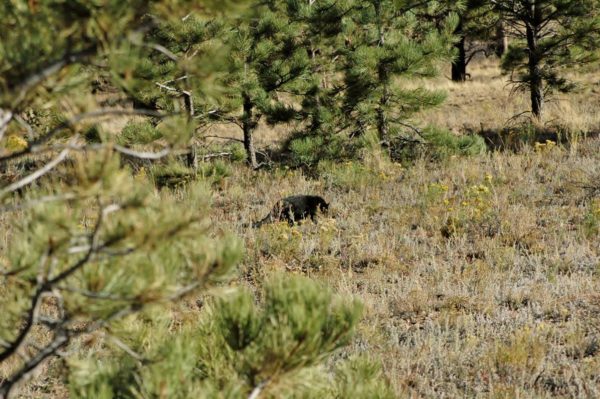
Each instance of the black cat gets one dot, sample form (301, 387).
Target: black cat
(294, 209)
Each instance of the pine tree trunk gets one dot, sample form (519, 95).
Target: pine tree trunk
(459, 65)
(248, 125)
(536, 84)
(315, 124)
(501, 39)
(382, 123)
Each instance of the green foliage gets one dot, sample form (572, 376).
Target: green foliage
(172, 175)
(236, 346)
(299, 324)
(309, 150)
(237, 152)
(389, 42)
(591, 220)
(555, 34)
(138, 133)
(361, 378)
(214, 172)
(125, 220)
(438, 144)
(446, 144)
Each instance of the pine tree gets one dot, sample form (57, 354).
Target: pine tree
(96, 258)
(474, 30)
(242, 348)
(268, 56)
(477, 22)
(389, 43)
(550, 35)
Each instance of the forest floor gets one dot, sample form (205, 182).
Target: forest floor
(480, 276)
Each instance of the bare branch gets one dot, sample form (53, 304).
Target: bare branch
(258, 389)
(167, 88)
(8, 384)
(186, 94)
(13, 272)
(161, 49)
(415, 129)
(123, 346)
(96, 295)
(34, 146)
(35, 175)
(26, 125)
(142, 154)
(176, 79)
(223, 138)
(38, 201)
(216, 155)
(38, 77)
(5, 118)
(184, 291)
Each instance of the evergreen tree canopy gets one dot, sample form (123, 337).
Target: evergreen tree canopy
(551, 36)
(98, 261)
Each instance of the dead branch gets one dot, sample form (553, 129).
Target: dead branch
(46, 286)
(38, 201)
(5, 118)
(35, 175)
(35, 145)
(223, 138)
(58, 342)
(258, 389)
(216, 155)
(125, 348)
(161, 49)
(142, 154)
(415, 129)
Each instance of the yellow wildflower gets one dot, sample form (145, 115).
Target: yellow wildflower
(16, 143)
(141, 174)
(295, 232)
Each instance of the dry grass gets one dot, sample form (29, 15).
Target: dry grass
(487, 101)
(505, 304)
(480, 277)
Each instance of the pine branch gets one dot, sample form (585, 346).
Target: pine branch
(61, 339)
(35, 175)
(5, 118)
(34, 146)
(28, 83)
(47, 286)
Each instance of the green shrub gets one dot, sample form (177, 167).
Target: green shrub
(214, 172)
(348, 175)
(591, 220)
(238, 153)
(138, 133)
(437, 144)
(445, 143)
(307, 151)
(236, 346)
(171, 175)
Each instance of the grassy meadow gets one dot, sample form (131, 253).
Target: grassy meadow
(480, 276)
